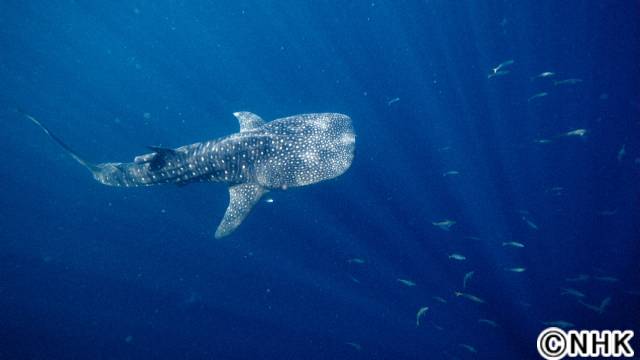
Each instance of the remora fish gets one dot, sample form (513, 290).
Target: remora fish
(294, 151)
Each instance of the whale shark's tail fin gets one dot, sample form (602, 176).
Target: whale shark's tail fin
(93, 168)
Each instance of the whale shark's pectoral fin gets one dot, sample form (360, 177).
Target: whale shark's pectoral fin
(248, 121)
(159, 157)
(242, 197)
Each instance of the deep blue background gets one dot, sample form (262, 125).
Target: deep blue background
(88, 271)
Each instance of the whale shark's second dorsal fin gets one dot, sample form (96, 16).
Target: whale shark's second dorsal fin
(242, 197)
(248, 120)
(160, 157)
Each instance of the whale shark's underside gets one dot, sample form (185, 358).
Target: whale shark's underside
(288, 152)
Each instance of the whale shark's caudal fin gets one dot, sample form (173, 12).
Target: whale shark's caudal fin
(93, 168)
(242, 197)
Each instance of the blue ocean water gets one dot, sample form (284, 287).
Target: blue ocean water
(95, 272)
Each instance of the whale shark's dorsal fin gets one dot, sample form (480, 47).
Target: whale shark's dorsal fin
(242, 197)
(248, 120)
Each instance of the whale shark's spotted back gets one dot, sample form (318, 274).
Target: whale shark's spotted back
(288, 152)
(308, 148)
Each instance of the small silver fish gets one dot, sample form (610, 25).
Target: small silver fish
(505, 63)
(457, 257)
(513, 244)
(608, 212)
(497, 73)
(576, 132)
(581, 277)
(567, 82)
(599, 309)
(488, 322)
(589, 306)
(621, 153)
(516, 269)
(439, 299)
(355, 261)
(466, 279)
(559, 323)
(530, 223)
(406, 282)
(420, 314)
(444, 224)
(572, 292)
(469, 348)
(502, 65)
(354, 345)
(556, 190)
(470, 297)
(543, 75)
(392, 101)
(538, 95)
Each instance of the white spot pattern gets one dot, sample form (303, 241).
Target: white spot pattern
(288, 152)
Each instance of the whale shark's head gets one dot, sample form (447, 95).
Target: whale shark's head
(308, 148)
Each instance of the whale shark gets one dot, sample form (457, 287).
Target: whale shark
(287, 152)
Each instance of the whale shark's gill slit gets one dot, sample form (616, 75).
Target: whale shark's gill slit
(92, 167)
